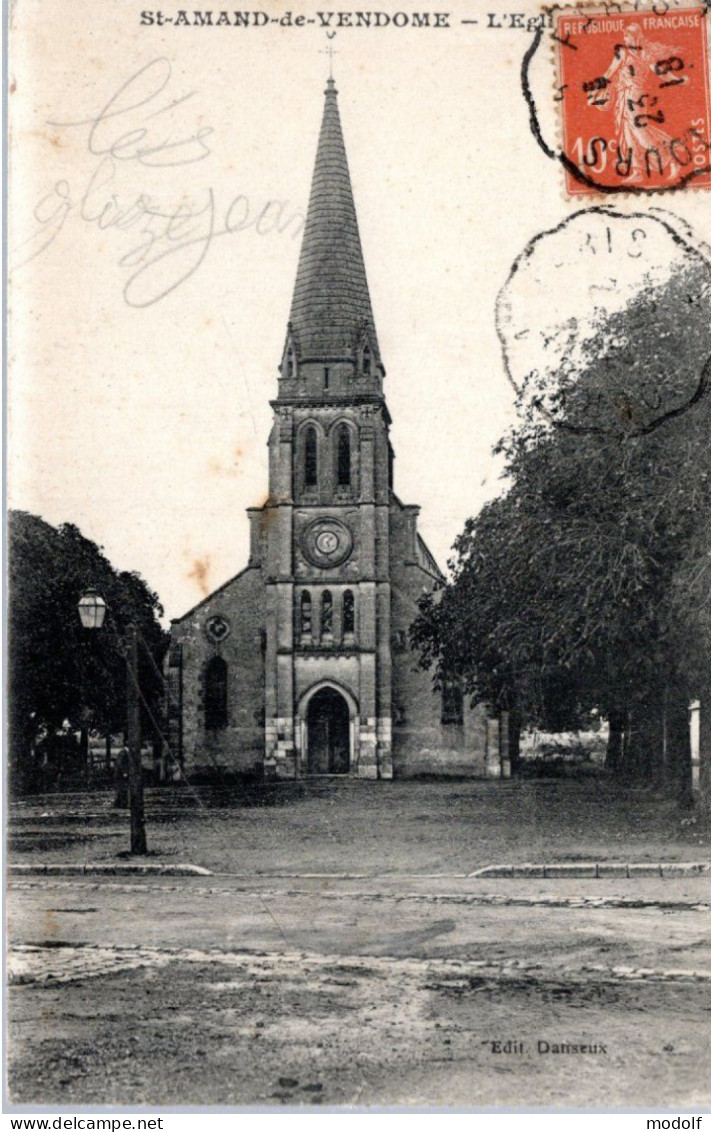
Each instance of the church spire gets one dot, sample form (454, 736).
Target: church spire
(331, 317)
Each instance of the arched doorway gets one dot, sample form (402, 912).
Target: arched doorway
(328, 733)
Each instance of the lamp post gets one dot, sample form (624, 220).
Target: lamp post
(92, 611)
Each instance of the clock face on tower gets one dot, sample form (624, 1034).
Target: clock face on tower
(327, 542)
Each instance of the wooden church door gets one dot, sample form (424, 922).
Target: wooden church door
(328, 733)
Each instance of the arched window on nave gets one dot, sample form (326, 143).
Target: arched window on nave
(216, 694)
(452, 702)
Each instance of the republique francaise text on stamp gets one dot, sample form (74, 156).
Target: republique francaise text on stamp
(635, 96)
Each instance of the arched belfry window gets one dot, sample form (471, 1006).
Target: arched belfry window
(216, 693)
(348, 613)
(310, 458)
(366, 361)
(326, 614)
(305, 613)
(343, 456)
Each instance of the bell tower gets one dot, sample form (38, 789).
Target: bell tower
(301, 663)
(323, 536)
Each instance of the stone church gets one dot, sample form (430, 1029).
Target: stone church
(301, 664)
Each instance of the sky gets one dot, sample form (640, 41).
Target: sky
(143, 351)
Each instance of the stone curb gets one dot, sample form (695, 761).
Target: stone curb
(109, 870)
(552, 871)
(564, 871)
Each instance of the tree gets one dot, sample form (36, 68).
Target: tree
(580, 586)
(60, 675)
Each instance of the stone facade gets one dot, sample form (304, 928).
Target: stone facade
(301, 664)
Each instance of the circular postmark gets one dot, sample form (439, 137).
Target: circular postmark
(631, 106)
(605, 322)
(327, 542)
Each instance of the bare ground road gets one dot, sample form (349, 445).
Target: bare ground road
(385, 990)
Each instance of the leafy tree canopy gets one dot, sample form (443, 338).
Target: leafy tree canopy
(60, 673)
(586, 584)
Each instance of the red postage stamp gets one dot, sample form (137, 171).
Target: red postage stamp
(636, 101)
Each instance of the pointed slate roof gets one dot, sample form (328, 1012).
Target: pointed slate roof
(331, 305)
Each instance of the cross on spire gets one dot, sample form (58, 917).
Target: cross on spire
(330, 51)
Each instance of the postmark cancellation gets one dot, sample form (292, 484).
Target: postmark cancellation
(634, 98)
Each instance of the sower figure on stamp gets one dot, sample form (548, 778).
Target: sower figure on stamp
(121, 776)
(630, 78)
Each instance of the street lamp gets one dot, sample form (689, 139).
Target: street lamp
(92, 611)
